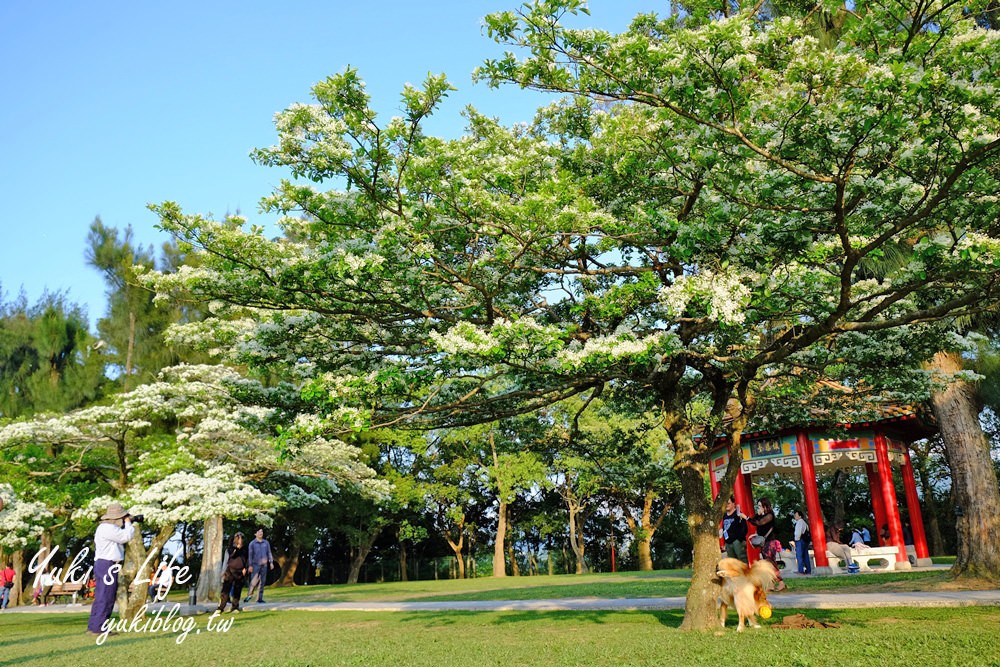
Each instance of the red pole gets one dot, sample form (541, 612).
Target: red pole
(878, 507)
(714, 486)
(889, 501)
(913, 506)
(613, 566)
(712, 482)
(805, 449)
(744, 501)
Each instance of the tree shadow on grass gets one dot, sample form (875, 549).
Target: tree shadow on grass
(670, 618)
(21, 623)
(82, 652)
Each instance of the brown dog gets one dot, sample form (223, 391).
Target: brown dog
(744, 587)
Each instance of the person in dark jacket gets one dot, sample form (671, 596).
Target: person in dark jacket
(764, 521)
(234, 573)
(734, 531)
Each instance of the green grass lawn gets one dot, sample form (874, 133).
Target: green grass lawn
(663, 583)
(931, 637)
(868, 637)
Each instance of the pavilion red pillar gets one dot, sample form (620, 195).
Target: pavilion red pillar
(878, 507)
(714, 485)
(744, 500)
(913, 507)
(805, 449)
(888, 492)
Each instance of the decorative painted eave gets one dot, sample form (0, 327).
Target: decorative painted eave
(838, 445)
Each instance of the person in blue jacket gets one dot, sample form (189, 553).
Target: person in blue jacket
(261, 560)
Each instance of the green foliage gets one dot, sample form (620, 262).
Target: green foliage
(48, 360)
(717, 217)
(132, 329)
(725, 210)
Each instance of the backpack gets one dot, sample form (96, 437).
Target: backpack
(7, 582)
(806, 535)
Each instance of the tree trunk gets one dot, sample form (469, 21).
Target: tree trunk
(699, 609)
(17, 594)
(457, 548)
(644, 547)
(499, 566)
(289, 566)
(642, 540)
(131, 350)
(210, 578)
(839, 512)
(133, 580)
(576, 542)
(932, 527)
(974, 479)
(358, 555)
(643, 530)
(515, 570)
(403, 576)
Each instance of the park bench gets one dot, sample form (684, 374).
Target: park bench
(863, 558)
(61, 590)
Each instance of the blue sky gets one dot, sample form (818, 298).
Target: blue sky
(108, 106)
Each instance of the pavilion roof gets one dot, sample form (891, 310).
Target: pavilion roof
(916, 420)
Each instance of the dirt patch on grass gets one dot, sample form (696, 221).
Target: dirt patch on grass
(802, 622)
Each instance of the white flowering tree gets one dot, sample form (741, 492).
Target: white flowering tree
(198, 493)
(21, 525)
(722, 198)
(184, 449)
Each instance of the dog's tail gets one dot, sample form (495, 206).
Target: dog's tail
(763, 573)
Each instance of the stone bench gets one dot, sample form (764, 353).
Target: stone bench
(863, 557)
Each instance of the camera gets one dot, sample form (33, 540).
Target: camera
(137, 518)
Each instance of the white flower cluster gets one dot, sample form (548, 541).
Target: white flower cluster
(726, 293)
(21, 521)
(341, 460)
(610, 348)
(189, 496)
(524, 336)
(219, 333)
(357, 263)
(465, 338)
(985, 248)
(54, 429)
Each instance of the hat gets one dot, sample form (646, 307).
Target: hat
(115, 511)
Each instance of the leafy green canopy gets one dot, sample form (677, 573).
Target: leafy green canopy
(716, 198)
(48, 360)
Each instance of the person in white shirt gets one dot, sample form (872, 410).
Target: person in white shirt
(112, 535)
(802, 543)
